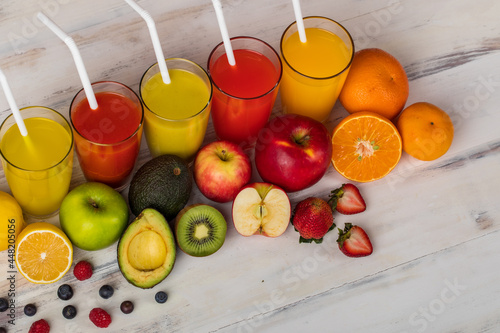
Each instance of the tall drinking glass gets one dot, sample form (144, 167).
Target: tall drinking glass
(244, 94)
(108, 139)
(176, 113)
(315, 71)
(38, 167)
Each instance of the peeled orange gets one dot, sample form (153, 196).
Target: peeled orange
(43, 253)
(11, 221)
(365, 146)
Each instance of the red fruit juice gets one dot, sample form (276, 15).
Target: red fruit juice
(107, 139)
(244, 95)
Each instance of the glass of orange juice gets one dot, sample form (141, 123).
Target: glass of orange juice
(315, 71)
(176, 114)
(38, 167)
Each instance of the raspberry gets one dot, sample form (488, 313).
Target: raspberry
(82, 270)
(100, 317)
(40, 326)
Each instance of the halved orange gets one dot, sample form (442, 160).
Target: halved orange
(366, 146)
(43, 253)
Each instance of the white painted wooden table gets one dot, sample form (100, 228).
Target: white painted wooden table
(435, 226)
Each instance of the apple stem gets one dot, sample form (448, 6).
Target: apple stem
(301, 140)
(93, 204)
(223, 155)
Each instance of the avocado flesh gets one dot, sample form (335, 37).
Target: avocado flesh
(146, 250)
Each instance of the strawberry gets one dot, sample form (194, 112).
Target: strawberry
(312, 218)
(347, 200)
(354, 242)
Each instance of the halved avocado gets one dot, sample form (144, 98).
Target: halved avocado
(146, 250)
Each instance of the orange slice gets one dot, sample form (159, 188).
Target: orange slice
(366, 146)
(43, 253)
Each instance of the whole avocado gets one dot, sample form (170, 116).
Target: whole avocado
(164, 183)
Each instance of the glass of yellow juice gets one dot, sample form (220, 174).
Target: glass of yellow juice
(38, 167)
(314, 71)
(176, 114)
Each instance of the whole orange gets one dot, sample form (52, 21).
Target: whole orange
(426, 131)
(376, 82)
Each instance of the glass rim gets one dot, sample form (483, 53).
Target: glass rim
(247, 98)
(205, 107)
(313, 77)
(115, 143)
(54, 111)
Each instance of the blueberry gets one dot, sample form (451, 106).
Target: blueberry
(127, 307)
(65, 292)
(30, 310)
(4, 304)
(106, 291)
(69, 312)
(161, 297)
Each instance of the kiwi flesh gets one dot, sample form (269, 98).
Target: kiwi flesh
(200, 230)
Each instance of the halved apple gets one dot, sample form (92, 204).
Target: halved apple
(262, 209)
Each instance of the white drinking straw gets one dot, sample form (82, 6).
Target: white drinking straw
(299, 20)
(13, 105)
(224, 33)
(76, 56)
(160, 58)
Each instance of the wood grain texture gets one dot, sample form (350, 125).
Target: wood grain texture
(435, 226)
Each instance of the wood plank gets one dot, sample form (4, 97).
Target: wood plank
(434, 225)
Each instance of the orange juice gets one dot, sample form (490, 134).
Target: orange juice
(38, 167)
(177, 113)
(314, 72)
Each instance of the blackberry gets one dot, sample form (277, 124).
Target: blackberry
(127, 307)
(30, 310)
(161, 297)
(106, 291)
(3, 330)
(4, 304)
(65, 292)
(69, 312)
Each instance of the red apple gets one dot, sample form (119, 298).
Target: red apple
(221, 169)
(293, 152)
(261, 209)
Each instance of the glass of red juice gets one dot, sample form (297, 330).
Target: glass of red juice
(244, 94)
(108, 139)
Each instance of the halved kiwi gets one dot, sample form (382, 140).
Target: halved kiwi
(200, 230)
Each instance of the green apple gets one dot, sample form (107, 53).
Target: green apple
(93, 216)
